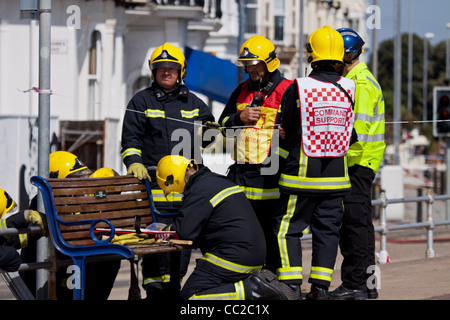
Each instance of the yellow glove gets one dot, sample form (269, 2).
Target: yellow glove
(138, 170)
(132, 238)
(211, 125)
(38, 218)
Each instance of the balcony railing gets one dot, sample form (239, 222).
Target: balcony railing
(211, 8)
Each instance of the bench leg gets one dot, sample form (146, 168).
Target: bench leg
(78, 278)
(134, 292)
(175, 281)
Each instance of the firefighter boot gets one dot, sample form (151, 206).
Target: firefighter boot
(263, 289)
(317, 293)
(343, 293)
(297, 291)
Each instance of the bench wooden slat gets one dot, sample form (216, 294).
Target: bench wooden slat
(89, 189)
(67, 200)
(118, 214)
(76, 209)
(81, 182)
(117, 223)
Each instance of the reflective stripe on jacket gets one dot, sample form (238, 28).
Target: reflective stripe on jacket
(303, 174)
(150, 128)
(253, 143)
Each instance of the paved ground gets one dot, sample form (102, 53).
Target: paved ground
(409, 275)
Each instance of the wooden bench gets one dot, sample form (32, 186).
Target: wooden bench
(77, 208)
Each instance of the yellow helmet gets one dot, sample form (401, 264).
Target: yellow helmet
(169, 56)
(325, 44)
(6, 202)
(171, 172)
(103, 173)
(63, 163)
(256, 49)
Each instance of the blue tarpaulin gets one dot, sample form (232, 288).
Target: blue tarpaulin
(206, 74)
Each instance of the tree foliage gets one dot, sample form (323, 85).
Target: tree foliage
(436, 76)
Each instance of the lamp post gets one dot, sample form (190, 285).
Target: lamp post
(410, 58)
(428, 36)
(447, 65)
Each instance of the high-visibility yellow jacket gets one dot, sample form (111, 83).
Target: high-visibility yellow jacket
(369, 119)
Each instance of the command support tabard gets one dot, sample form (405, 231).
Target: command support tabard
(228, 309)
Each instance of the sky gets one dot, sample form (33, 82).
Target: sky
(427, 16)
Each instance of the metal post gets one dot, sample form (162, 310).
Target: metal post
(397, 81)
(447, 65)
(241, 8)
(419, 206)
(301, 39)
(430, 251)
(425, 75)
(375, 48)
(44, 129)
(384, 255)
(446, 176)
(425, 81)
(410, 59)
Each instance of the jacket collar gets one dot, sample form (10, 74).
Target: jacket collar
(201, 172)
(180, 92)
(316, 74)
(357, 69)
(268, 85)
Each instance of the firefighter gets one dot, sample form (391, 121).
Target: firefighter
(318, 121)
(64, 164)
(255, 105)
(218, 217)
(10, 259)
(103, 173)
(100, 276)
(159, 120)
(357, 234)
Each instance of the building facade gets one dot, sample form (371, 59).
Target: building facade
(99, 59)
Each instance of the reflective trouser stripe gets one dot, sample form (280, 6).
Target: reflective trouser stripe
(238, 294)
(229, 265)
(321, 273)
(286, 271)
(162, 279)
(284, 226)
(292, 273)
(261, 194)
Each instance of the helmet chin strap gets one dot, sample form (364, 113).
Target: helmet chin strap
(349, 62)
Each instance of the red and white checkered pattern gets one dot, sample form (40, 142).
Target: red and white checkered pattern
(326, 94)
(326, 116)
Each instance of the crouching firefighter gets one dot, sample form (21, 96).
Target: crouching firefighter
(217, 216)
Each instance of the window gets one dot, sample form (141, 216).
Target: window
(95, 51)
(251, 20)
(279, 28)
(279, 20)
(141, 83)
